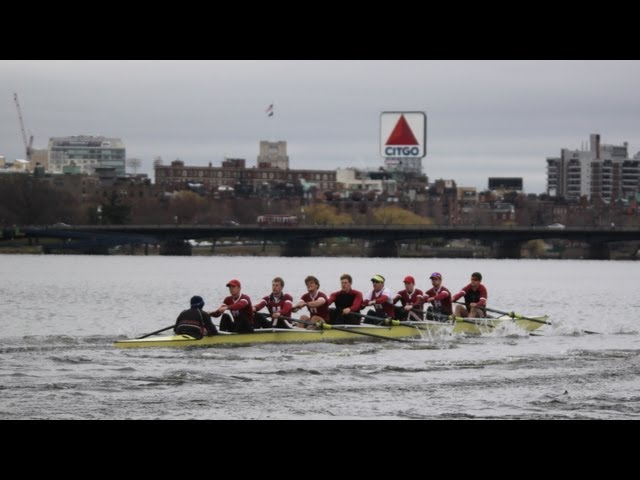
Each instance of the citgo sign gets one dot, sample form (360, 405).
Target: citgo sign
(403, 134)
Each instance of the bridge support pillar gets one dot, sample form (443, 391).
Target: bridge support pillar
(507, 249)
(385, 248)
(175, 247)
(599, 251)
(296, 248)
(146, 249)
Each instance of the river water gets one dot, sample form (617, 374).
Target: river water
(60, 314)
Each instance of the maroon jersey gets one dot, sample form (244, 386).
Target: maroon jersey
(323, 310)
(238, 305)
(441, 300)
(414, 298)
(281, 304)
(478, 296)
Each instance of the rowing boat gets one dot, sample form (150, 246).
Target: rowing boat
(478, 326)
(293, 335)
(457, 325)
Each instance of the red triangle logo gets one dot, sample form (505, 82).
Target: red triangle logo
(402, 134)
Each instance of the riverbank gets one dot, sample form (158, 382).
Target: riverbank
(622, 251)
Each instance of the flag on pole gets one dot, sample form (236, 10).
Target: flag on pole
(269, 110)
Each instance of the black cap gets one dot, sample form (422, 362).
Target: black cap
(197, 302)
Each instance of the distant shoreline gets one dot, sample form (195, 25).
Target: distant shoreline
(626, 252)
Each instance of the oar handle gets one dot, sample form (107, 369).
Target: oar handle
(283, 317)
(304, 322)
(437, 315)
(369, 317)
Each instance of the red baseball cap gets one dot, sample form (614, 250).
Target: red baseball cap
(409, 279)
(233, 283)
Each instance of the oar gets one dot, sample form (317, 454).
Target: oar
(304, 322)
(517, 316)
(513, 315)
(282, 317)
(157, 331)
(478, 322)
(441, 317)
(327, 326)
(368, 317)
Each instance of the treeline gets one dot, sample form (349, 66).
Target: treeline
(26, 201)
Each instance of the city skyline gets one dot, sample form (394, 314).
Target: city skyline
(484, 118)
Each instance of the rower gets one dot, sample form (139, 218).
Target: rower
(410, 297)
(238, 314)
(440, 298)
(316, 303)
(475, 298)
(380, 298)
(279, 304)
(347, 301)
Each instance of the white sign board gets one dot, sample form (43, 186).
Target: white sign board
(403, 134)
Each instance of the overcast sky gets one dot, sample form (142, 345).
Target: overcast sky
(484, 118)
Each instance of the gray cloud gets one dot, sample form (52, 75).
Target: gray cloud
(485, 118)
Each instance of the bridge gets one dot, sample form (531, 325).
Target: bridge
(505, 241)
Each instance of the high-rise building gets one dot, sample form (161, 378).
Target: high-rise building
(605, 171)
(88, 153)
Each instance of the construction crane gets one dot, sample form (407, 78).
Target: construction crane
(27, 145)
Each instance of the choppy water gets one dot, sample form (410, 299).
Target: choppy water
(60, 314)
